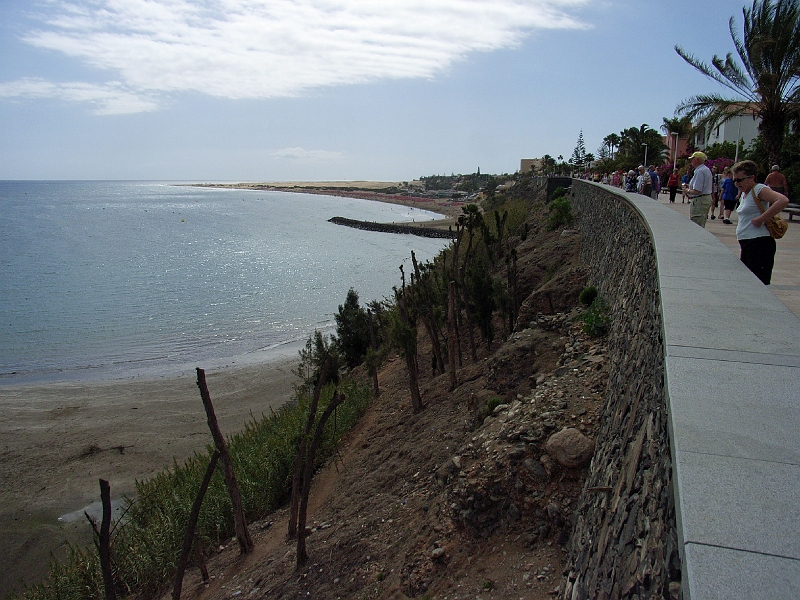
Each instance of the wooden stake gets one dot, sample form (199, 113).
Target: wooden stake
(190, 527)
(300, 457)
(105, 541)
(302, 555)
(452, 337)
(240, 524)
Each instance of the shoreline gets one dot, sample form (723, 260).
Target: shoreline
(62, 433)
(362, 190)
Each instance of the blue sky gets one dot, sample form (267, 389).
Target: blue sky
(280, 90)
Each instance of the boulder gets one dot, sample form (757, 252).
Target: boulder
(570, 448)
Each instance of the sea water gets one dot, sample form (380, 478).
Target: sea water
(118, 279)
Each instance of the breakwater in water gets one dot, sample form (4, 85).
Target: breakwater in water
(392, 228)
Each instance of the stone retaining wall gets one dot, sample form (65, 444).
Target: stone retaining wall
(624, 542)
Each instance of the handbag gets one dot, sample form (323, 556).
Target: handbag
(776, 226)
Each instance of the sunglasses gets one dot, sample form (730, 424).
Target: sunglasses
(741, 179)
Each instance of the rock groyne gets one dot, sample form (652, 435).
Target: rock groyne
(393, 228)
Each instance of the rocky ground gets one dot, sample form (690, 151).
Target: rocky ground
(470, 498)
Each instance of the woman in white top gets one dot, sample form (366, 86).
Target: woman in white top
(757, 245)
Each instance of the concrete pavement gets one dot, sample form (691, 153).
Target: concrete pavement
(786, 274)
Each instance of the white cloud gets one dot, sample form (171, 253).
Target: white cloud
(300, 153)
(108, 99)
(277, 48)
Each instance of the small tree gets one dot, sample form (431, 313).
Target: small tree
(352, 330)
(404, 336)
(312, 357)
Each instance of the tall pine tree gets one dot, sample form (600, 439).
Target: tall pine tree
(579, 154)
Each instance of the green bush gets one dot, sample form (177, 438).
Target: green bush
(596, 320)
(488, 408)
(588, 295)
(560, 213)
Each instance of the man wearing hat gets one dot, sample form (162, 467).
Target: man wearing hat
(699, 189)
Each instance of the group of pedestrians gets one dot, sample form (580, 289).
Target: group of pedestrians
(757, 203)
(735, 189)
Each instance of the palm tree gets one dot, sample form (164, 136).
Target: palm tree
(769, 82)
(611, 142)
(638, 140)
(680, 125)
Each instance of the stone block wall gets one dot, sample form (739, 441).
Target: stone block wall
(624, 542)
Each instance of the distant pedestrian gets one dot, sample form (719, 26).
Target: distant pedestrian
(757, 245)
(699, 189)
(630, 181)
(655, 182)
(777, 181)
(715, 183)
(685, 182)
(643, 184)
(672, 184)
(729, 194)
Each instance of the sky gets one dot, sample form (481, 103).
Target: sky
(318, 90)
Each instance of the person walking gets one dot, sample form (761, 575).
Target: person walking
(644, 185)
(729, 194)
(672, 184)
(685, 182)
(777, 181)
(699, 189)
(655, 182)
(715, 190)
(756, 244)
(630, 181)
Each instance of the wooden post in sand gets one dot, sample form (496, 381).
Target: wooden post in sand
(240, 524)
(193, 516)
(104, 546)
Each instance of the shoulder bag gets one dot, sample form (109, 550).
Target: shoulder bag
(776, 226)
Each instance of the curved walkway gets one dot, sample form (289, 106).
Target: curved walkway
(733, 392)
(786, 274)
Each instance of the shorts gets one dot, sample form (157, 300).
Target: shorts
(730, 204)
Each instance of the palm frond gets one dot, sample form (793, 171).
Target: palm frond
(711, 110)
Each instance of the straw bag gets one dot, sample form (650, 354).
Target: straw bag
(776, 226)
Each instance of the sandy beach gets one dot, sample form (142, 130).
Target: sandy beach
(365, 190)
(58, 439)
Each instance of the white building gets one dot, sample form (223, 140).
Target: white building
(742, 127)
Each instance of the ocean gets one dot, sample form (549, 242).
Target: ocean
(118, 279)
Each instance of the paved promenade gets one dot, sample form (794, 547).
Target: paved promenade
(732, 380)
(786, 274)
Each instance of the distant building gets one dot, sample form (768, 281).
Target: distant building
(529, 164)
(741, 127)
(682, 146)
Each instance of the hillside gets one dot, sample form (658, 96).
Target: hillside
(449, 502)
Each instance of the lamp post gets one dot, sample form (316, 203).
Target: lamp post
(738, 137)
(675, 150)
(645, 155)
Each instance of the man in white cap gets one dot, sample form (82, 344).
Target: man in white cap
(699, 189)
